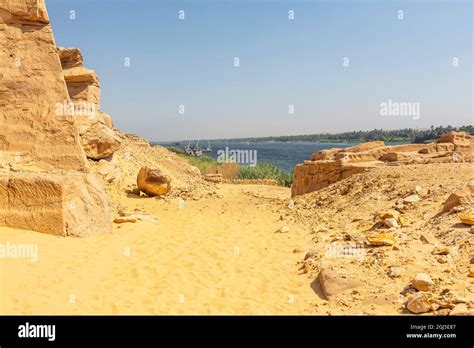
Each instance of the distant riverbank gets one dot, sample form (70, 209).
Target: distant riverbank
(284, 155)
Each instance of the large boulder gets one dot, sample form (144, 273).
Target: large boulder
(335, 281)
(153, 182)
(72, 204)
(462, 196)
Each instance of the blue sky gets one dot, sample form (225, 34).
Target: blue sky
(282, 62)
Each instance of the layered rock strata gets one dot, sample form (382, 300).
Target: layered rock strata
(45, 180)
(98, 137)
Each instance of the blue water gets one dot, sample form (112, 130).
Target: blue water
(283, 155)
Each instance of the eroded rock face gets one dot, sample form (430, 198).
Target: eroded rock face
(461, 141)
(72, 204)
(314, 175)
(331, 165)
(45, 184)
(31, 85)
(27, 10)
(82, 84)
(98, 138)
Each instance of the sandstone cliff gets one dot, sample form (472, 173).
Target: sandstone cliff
(45, 184)
(98, 138)
(31, 86)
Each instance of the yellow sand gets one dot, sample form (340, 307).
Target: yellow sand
(214, 256)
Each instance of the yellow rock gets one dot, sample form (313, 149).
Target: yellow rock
(403, 221)
(441, 251)
(381, 239)
(467, 218)
(419, 303)
(387, 214)
(471, 272)
(153, 182)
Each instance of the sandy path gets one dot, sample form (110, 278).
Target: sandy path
(215, 255)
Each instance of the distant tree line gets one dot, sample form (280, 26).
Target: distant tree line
(399, 135)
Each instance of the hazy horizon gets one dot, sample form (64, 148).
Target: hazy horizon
(333, 63)
(300, 134)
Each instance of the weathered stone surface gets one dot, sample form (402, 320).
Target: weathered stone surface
(462, 196)
(82, 84)
(422, 282)
(331, 165)
(70, 57)
(54, 192)
(419, 303)
(311, 176)
(391, 223)
(26, 10)
(335, 281)
(98, 140)
(72, 204)
(381, 239)
(215, 178)
(467, 218)
(396, 272)
(365, 146)
(133, 218)
(471, 272)
(153, 182)
(388, 214)
(31, 86)
(412, 199)
(462, 141)
(461, 309)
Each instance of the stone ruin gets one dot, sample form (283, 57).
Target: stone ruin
(331, 165)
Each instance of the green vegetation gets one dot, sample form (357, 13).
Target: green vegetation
(400, 135)
(261, 171)
(267, 171)
(434, 133)
(204, 163)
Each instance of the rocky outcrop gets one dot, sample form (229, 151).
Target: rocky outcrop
(25, 10)
(45, 184)
(119, 173)
(314, 175)
(98, 137)
(461, 141)
(82, 84)
(98, 140)
(331, 165)
(72, 204)
(31, 85)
